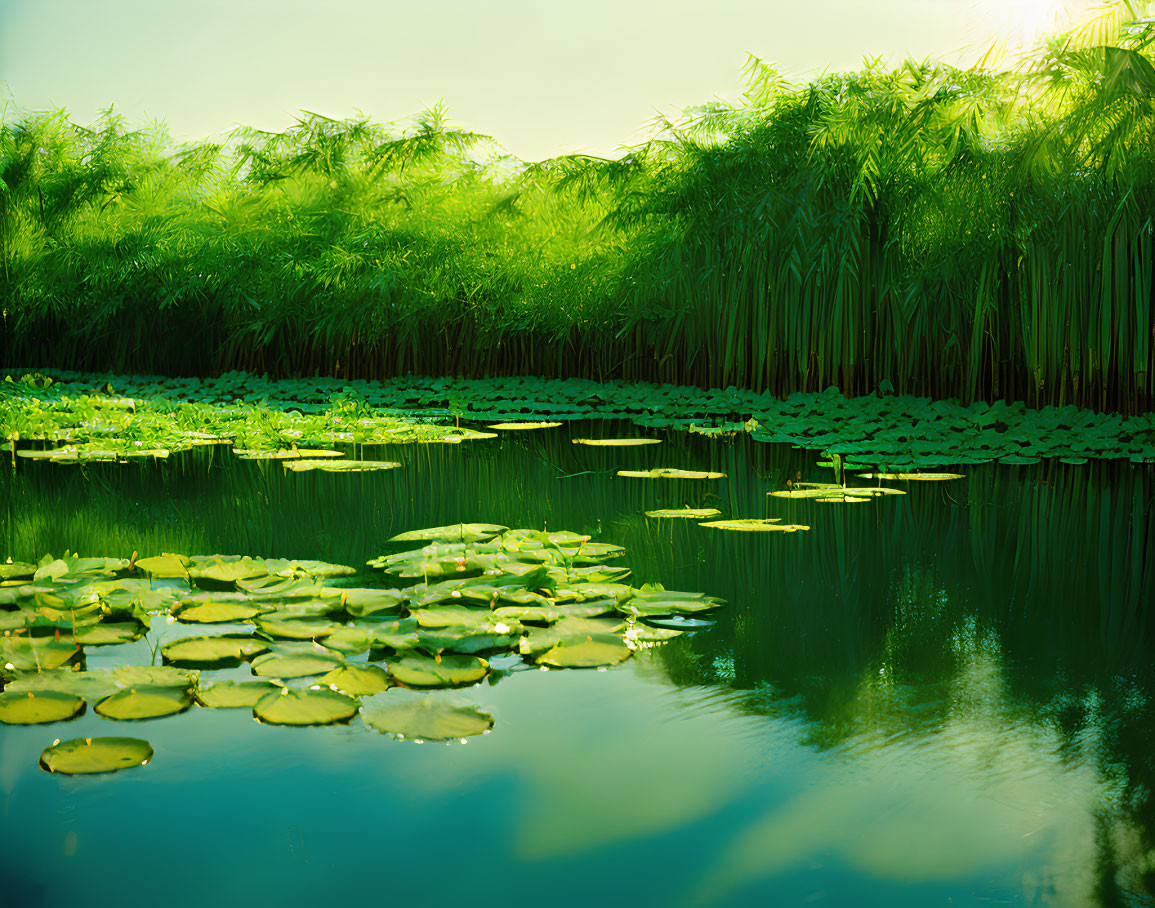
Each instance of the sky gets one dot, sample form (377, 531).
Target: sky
(543, 77)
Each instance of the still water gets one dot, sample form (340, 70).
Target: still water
(940, 698)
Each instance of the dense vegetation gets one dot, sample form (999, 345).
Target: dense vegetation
(955, 233)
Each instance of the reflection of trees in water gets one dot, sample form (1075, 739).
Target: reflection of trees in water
(1023, 604)
(1019, 598)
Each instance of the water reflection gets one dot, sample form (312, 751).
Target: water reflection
(951, 687)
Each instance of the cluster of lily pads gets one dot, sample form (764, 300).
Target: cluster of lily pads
(902, 432)
(82, 428)
(471, 601)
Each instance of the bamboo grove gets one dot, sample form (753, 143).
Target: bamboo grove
(960, 233)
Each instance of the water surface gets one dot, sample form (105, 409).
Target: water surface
(942, 698)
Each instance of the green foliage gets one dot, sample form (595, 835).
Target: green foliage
(928, 229)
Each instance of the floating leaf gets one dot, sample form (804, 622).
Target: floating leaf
(37, 654)
(139, 703)
(914, 477)
(616, 442)
(357, 680)
(669, 473)
(226, 568)
(668, 602)
(455, 532)
(296, 663)
(586, 652)
(305, 707)
(225, 647)
(340, 466)
(32, 708)
(234, 694)
(291, 454)
(91, 755)
(165, 565)
(361, 603)
(222, 612)
(752, 525)
(693, 513)
(109, 634)
(448, 670)
(424, 716)
(295, 628)
(520, 426)
(16, 569)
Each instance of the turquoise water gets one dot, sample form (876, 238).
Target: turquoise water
(941, 698)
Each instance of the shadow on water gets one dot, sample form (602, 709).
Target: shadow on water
(1011, 603)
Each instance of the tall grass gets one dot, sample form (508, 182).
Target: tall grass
(956, 233)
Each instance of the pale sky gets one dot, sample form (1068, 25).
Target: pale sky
(543, 77)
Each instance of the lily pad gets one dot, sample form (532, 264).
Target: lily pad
(34, 708)
(450, 670)
(14, 570)
(295, 628)
(670, 473)
(234, 694)
(109, 634)
(590, 651)
(305, 707)
(209, 612)
(357, 680)
(139, 703)
(91, 755)
(616, 442)
(361, 603)
(914, 477)
(37, 654)
(340, 466)
(522, 426)
(166, 565)
(754, 525)
(295, 663)
(226, 568)
(455, 532)
(693, 513)
(225, 647)
(668, 602)
(424, 716)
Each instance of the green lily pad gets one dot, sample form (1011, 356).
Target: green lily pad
(522, 426)
(357, 680)
(670, 473)
(914, 477)
(753, 525)
(305, 707)
(448, 670)
(455, 532)
(139, 703)
(693, 513)
(37, 654)
(294, 628)
(34, 708)
(107, 634)
(340, 466)
(296, 663)
(424, 716)
(290, 454)
(234, 694)
(209, 612)
(361, 603)
(166, 565)
(15, 570)
(91, 755)
(225, 647)
(616, 442)
(668, 602)
(349, 641)
(226, 568)
(590, 651)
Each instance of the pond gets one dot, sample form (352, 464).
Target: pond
(940, 697)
